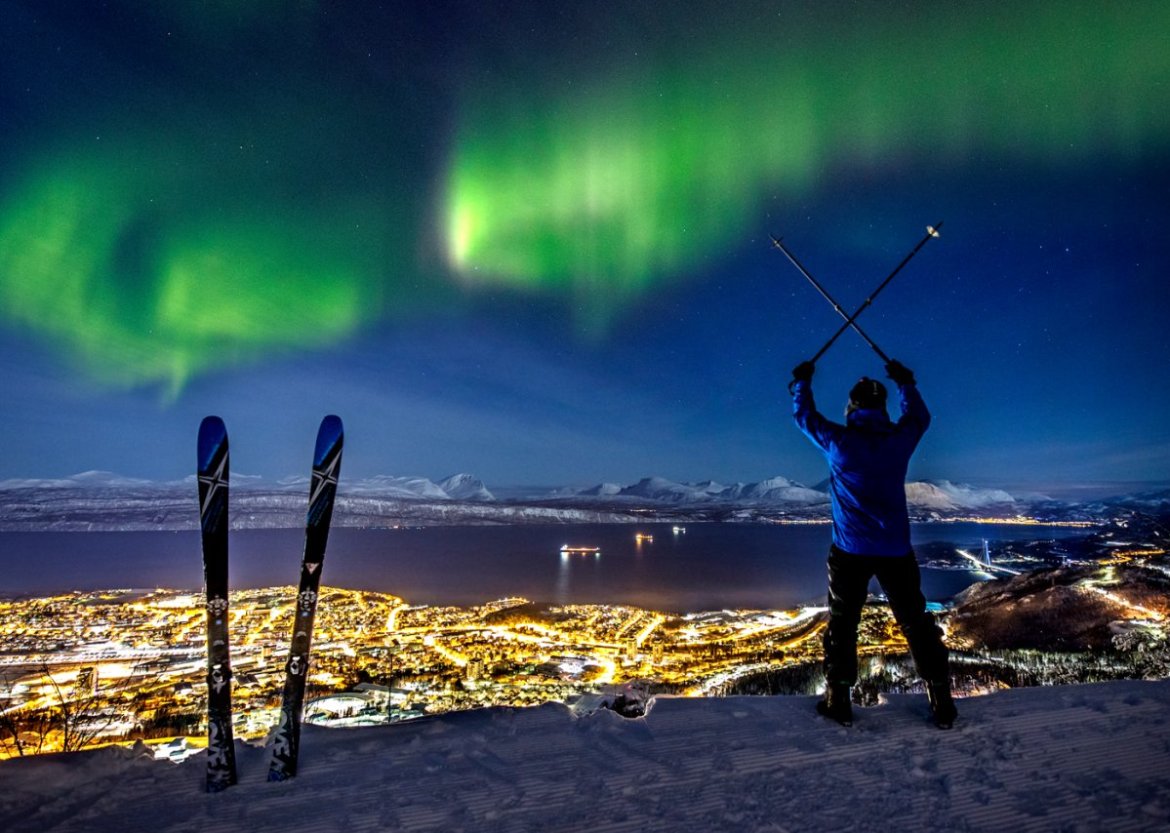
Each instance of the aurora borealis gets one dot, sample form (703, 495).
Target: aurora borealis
(530, 240)
(639, 176)
(128, 280)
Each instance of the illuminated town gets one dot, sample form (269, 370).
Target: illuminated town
(136, 661)
(115, 666)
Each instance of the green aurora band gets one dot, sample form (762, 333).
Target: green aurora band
(126, 257)
(652, 173)
(219, 216)
(593, 190)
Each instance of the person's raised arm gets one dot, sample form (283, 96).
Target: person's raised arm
(804, 407)
(914, 410)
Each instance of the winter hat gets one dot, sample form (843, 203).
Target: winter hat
(866, 394)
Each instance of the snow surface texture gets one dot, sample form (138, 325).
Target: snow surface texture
(1073, 758)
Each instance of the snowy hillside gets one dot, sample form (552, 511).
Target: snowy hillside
(384, 486)
(777, 491)
(944, 496)
(1079, 758)
(465, 487)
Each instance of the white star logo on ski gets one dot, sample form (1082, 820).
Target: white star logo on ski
(323, 478)
(214, 482)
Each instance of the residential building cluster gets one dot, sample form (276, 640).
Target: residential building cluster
(125, 663)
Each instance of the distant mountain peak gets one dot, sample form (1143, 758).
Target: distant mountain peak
(465, 487)
(943, 495)
(774, 490)
(602, 490)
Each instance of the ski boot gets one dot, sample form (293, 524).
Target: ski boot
(836, 704)
(942, 708)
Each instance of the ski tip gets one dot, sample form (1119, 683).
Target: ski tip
(212, 438)
(329, 435)
(212, 429)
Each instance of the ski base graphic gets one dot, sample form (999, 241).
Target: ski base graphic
(322, 490)
(212, 474)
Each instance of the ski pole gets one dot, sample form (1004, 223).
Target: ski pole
(931, 231)
(825, 294)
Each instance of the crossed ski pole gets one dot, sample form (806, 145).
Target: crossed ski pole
(851, 320)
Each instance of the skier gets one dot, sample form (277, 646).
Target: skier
(868, 458)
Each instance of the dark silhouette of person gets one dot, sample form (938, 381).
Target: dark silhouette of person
(868, 457)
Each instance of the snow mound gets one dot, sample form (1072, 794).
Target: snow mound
(1086, 757)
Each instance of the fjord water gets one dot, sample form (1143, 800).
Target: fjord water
(708, 567)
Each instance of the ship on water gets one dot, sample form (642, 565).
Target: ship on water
(567, 550)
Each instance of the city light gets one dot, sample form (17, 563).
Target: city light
(114, 665)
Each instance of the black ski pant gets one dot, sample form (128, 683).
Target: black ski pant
(901, 581)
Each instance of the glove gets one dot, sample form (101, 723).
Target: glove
(899, 374)
(803, 372)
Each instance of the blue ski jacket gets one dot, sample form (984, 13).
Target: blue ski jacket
(868, 458)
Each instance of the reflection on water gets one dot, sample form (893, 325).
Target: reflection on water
(573, 564)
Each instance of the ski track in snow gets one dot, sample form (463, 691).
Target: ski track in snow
(1072, 758)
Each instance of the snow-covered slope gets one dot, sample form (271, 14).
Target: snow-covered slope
(940, 496)
(465, 487)
(945, 496)
(781, 489)
(668, 491)
(1088, 758)
(601, 490)
(385, 486)
(775, 491)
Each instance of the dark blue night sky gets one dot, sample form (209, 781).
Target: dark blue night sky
(531, 240)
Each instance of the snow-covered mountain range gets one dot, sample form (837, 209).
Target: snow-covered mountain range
(106, 501)
(775, 490)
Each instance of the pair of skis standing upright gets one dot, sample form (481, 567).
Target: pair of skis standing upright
(213, 516)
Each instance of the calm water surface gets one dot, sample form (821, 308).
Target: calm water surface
(709, 567)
